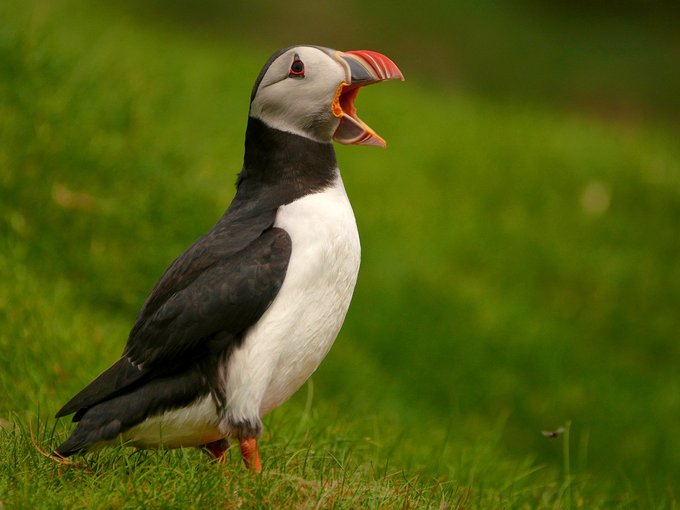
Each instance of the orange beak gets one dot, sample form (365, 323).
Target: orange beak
(364, 68)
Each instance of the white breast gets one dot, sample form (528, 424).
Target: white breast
(288, 343)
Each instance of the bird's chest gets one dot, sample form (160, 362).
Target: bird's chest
(318, 287)
(325, 255)
(288, 343)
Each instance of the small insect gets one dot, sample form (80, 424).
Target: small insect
(553, 433)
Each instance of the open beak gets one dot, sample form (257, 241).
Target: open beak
(364, 68)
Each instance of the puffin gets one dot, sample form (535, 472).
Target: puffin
(241, 319)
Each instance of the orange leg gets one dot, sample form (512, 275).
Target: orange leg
(250, 454)
(218, 449)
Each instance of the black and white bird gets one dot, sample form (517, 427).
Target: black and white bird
(243, 317)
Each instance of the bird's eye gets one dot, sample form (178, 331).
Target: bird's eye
(297, 68)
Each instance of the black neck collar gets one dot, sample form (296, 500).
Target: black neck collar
(292, 165)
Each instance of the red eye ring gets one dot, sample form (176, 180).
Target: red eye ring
(297, 68)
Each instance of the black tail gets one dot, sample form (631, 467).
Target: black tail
(118, 377)
(105, 420)
(88, 432)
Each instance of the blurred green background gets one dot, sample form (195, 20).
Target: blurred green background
(520, 235)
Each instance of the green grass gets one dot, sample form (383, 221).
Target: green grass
(519, 274)
(613, 59)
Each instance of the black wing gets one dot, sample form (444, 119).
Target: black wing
(202, 304)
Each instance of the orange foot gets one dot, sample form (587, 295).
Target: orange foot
(250, 454)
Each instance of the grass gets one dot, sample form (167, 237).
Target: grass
(519, 274)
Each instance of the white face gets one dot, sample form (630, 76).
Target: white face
(301, 105)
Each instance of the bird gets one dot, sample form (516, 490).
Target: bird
(240, 320)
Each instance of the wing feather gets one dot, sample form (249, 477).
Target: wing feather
(202, 304)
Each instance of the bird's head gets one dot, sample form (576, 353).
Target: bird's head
(310, 91)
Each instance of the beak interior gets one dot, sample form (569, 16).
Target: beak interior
(366, 67)
(348, 94)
